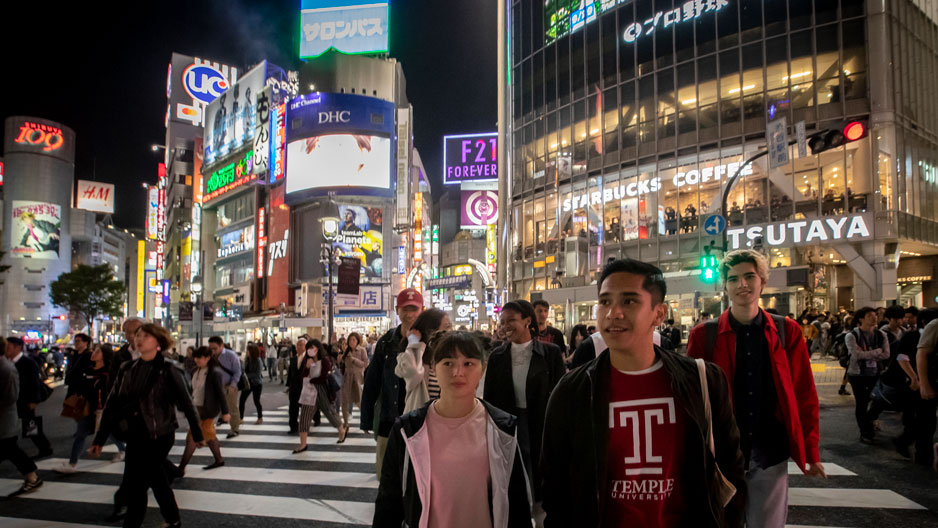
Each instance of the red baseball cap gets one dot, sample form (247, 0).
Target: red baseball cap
(409, 297)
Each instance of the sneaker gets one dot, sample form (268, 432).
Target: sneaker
(27, 487)
(65, 468)
(119, 457)
(232, 434)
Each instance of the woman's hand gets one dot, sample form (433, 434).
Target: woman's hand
(415, 333)
(94, 450)
(226, 418)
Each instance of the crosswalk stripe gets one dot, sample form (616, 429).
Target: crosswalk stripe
(832, 470)
(247, 474)
(348, 457)
(281, 439)
(346, 512)
(279, 412)
(850, 498)
(281, 428)
(33, 523)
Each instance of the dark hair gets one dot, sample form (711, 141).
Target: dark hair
(216, 340)
(465, 343)
(541, 302)
(524, 309)
(107, 354)
(912, 310)
(358, 339)
(204, 351)
(85, 338)
(311, 343)
(670, 321)
(17, 342)
(925, 316)
(579, 329)
(861, 313)
(428, 322)
(160, 334)
(654, 281)
(895, 312)
(253, 351)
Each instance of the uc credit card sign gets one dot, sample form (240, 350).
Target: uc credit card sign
(470, 158)
(349, 26)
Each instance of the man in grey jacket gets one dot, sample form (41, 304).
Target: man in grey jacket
(230, 376)
(9, 428)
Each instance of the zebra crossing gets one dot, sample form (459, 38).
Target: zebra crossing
(264, 484)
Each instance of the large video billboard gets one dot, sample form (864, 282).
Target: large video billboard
(360, 236)
(338, 143)
(37, 227)
(470, 158)
(349, 26)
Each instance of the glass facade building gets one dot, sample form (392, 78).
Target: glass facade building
(628, 118)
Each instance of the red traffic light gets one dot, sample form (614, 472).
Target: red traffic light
(854, 130)
(63, 317)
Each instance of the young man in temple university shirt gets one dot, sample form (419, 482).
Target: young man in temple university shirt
(625, 440)
(773, 391)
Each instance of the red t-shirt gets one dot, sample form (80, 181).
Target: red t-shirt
(645, 456)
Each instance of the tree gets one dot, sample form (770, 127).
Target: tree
(89, 291)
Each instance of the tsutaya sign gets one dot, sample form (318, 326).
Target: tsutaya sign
(636, 188)
(850, 228)
(665, 19)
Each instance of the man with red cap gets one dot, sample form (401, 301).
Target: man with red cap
(383, 388)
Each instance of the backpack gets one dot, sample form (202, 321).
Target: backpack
(712, 326)
(839, 351)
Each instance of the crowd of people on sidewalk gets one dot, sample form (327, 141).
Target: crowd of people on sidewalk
(624, 424)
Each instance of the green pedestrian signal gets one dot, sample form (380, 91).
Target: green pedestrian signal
(709, 268)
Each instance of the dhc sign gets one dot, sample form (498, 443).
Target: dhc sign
(849, 228)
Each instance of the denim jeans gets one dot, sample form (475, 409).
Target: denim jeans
(84, 429)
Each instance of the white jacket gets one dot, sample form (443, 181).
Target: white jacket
(411, 369)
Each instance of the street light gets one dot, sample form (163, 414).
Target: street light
(156, 147)
(196, 288)
(328, 255)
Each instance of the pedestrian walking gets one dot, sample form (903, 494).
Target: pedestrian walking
(32, 393)
(253, 369)
(231, 376)
(766, 361)
(142, 408)
(384, 391)
(284, 353)
(867, 346)
(272, 355)
(314, 366)
(415, 363)
(519, 378)
(295, 384)
(926, 359)
(210, 400)
(355, 360)
(9, 426)
(902, 384)
(626, 436)
(455, 461)
(92, 388)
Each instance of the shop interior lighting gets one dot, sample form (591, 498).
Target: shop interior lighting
(689, 101)
(744, 88)
(796, 75)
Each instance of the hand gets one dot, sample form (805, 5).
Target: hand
(200, 444)
(94, 450)
(928, 393)
(415, 333)
(32, 406)
(226, 418)
(816, 469)
(914, 384)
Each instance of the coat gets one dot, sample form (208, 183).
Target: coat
(791, 371)
(411, 369)
(29, 385)
(545, 371)
(405, 475)
(9, 392)
(576, 440)
(383, 389)
(215, 402)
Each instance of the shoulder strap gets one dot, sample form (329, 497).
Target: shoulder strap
(705, 394)
(782, 330)
(711, 329)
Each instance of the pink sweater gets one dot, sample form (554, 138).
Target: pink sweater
(459, 476)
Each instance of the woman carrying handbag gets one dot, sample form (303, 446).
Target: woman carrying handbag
(314, 366)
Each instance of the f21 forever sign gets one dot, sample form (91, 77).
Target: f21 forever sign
(470, 158)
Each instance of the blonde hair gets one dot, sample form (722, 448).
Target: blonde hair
(741, 256)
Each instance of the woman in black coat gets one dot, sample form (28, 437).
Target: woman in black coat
(208, 396)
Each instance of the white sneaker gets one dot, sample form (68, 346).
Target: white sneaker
(65, 468)
(118, 457)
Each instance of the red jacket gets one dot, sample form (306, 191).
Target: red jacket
(798, 406)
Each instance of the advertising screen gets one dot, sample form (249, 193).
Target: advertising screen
(470, 158)
(478, 209)
(349, 26)
(95, 196)
(360, 236)
(36, 230)
(338, 143)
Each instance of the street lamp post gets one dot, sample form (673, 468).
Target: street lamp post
(328, 255)
(196, 288)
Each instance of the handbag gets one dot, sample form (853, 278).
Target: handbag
(727, 489)
(244, 383)
(333, 385)
(76, 407)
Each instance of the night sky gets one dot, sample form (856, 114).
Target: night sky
(102, 72)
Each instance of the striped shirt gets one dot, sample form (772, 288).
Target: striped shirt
(433, 385)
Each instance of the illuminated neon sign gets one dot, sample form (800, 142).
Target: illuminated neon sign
(38, 134)
(689, 11)
(230, 177)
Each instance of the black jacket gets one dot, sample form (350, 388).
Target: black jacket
(398, 506)
(78, 366)
(29, 385)
(156, 407)
(215, 402)
(120, 357)
(382, 383)
(576, 436)
(545, 371)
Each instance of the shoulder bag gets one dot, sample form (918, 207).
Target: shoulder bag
(727, 489)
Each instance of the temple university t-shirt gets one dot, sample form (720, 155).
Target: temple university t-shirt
(645, 456)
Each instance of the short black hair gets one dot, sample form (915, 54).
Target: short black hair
(465, 343)
(85, 338)
(912, 310)
(17, 342)
(925, 316)
(541, 302)
(217, 340)
(521, 307)
(861, 313)
(670, 321)
(895, 312)
(654, 280)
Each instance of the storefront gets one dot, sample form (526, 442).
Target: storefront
(622, 146)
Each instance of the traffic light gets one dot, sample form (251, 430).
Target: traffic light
(709, 268)
(835, 137)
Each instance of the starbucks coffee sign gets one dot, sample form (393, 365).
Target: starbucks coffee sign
(825, 230)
